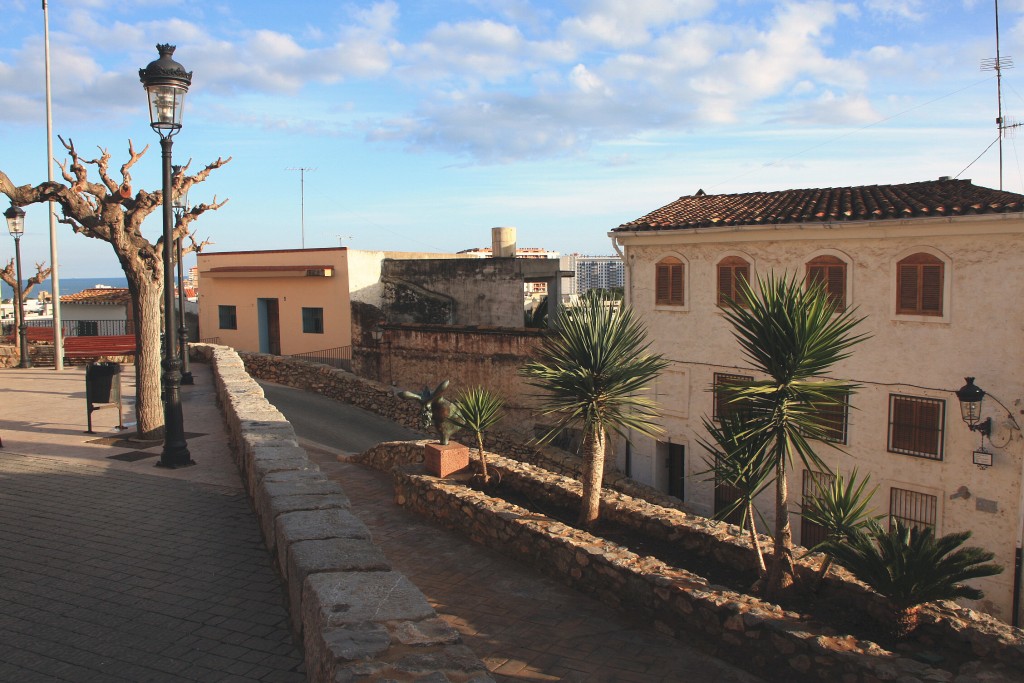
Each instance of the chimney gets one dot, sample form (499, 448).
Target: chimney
(503, 242)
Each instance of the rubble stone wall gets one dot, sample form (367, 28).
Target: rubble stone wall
(762, 637)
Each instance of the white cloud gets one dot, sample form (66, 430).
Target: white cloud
(910, 10)
(587, 82)
(625, 23)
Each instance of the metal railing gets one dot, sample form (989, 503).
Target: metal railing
(338, 357)
(210, 340)
(78, 328)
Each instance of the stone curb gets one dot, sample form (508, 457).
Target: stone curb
(354, 615)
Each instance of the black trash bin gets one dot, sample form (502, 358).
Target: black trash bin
(103, 382)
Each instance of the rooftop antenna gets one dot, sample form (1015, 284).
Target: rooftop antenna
(341, 238)
(998, 64)
(302, 196)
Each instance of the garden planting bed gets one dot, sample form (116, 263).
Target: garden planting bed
(955, 643)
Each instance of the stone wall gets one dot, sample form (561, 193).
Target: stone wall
(419, 355)
(774, 643)
(356, 617)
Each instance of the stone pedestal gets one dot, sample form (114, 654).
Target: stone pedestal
(441, 460)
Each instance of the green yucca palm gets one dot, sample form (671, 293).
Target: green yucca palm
(840, 508)
(592, 367)
(741, 463)
(477, 410)
(794, 335)
(909, 566)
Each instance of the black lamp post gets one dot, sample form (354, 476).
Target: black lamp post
(166, 83)
(180, 207)
(16, 225)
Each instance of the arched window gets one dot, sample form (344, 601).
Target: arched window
(731, 270)
(830, 271)
(919, 284)
(668, 285)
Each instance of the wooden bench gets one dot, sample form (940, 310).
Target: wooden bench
(96, 347)
(33, 335)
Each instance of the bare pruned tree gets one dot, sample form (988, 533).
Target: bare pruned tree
(10, 275)
(108, 210)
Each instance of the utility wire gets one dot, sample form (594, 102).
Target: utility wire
(977, 157)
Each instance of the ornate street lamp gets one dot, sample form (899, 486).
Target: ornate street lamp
(180, 207)
(16, 225)
(970, 396)
(166, 83)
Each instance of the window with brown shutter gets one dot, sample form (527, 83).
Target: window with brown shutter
(830, 271)
(731, 270)
(668, 282)
(833, 419)
(723, 404)
(919, 285)
(916, 426)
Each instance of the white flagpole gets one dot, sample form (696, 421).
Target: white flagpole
(58, 337)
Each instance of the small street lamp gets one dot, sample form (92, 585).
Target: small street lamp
(180, 207)
(16, 225)
(166, 83)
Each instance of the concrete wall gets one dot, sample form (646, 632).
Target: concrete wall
(462, 292)
(917, 356)
(240, 279)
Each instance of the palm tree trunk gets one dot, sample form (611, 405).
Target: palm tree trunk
(593, 473)
(761, 569)
(780, 576)
(483, 460)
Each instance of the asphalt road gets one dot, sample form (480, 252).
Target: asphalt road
(332, 424)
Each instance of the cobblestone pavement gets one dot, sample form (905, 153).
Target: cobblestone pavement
(117, 571)
(524, 626)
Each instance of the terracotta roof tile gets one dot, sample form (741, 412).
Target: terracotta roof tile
(832, 204)
(115, 296)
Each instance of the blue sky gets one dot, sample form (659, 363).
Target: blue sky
(430, 122)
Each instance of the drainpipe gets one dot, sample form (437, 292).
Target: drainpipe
(1018, 556)
(627, 296)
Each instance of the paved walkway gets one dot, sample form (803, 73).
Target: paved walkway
(524, 626)
(114, 570)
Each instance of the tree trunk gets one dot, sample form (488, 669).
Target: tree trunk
(593, 473)
(483, 459)
(761, 569)
(780, 575)
(147, 291)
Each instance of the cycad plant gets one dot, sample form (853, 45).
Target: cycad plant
(909, 566)
(477, 410)
(741, 463)
(793, 335)
(593, 367)
(840, 508)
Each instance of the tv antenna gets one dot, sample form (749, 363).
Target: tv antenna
(342, 238)
(302, 197)
(997, 64)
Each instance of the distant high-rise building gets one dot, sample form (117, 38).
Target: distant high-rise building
(594, 272)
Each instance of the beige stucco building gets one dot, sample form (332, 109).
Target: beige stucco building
(931, 267)
(283, 302)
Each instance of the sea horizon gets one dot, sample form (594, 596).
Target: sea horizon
(68, 285)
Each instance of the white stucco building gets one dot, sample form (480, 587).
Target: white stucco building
(932, 266)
